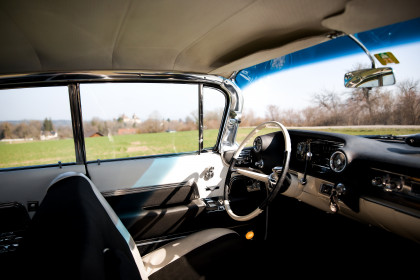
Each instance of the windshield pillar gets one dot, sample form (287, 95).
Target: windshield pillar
(233, 118)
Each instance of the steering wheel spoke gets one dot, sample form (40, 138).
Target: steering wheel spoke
(253, 174)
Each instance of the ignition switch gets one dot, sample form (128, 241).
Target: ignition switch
(337, 191)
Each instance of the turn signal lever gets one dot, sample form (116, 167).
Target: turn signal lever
(275, 176)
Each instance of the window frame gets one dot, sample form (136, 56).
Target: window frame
(200, 127)
(71, 108)
(232, 108)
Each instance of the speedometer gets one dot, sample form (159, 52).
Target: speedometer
(338, 161)
(258, 144)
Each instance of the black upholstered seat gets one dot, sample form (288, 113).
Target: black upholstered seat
(75, 234)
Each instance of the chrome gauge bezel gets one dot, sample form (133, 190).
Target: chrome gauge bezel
(258, 144)
(344, 164)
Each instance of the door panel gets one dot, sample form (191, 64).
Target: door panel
(152, 211)
(161, 195)
(157, 171)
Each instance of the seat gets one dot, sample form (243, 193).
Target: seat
(75, 234)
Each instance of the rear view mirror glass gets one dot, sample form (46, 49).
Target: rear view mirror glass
(375, 77)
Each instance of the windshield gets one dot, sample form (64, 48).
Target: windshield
(306, 89)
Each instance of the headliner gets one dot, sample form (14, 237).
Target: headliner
(194, 36)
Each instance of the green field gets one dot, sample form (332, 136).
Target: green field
(29, 153)
(121, 146)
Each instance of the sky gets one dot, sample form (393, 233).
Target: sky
(295, 87)
(108, 101)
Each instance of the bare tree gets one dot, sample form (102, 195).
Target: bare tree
(408, 102)
(273, 113)
(330, 105)
(292, 117)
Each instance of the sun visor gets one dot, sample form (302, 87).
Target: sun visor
(362, 15)
(269, 54)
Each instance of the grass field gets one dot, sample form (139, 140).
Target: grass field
(121, 146)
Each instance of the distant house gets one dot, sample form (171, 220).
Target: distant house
(48, 135)
(97, 134)
(133, 120)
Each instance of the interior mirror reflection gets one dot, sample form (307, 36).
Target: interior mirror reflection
(375, 77)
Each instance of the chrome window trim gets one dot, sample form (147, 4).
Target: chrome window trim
(200, 118)
(53, 78)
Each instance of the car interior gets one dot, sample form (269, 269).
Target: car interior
(99, 192)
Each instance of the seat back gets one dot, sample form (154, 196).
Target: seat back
(75, 234)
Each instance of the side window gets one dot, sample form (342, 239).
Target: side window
(214, 103)
(35, 127)
(139, 119)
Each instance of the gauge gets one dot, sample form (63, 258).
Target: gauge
(338, 161)
(258, 144)
(301, 150)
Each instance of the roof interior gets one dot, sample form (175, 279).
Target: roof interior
(216, 37)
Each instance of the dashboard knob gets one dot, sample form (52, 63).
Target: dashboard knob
(377, 181)
(390, 186)
(259, 164)
(340, 189)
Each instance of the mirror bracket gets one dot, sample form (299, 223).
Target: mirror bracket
(360, 44)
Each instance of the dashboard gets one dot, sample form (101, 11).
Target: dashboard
(373, 181)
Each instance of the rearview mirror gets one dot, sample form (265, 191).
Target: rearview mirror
(375, 77)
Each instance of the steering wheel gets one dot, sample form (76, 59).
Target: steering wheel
(274, 180)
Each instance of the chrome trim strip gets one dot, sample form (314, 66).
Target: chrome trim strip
(200, 119)
(128, 191)
(51, 78)
(232, 121)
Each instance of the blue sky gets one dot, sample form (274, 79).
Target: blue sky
(294, 88)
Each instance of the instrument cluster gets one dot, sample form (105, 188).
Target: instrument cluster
(322, 154)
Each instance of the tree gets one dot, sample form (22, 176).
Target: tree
(22, 130)
(5, 130)
(47, 125)
(153, 124)
(330, 106)
(408, 102)
(273, 113)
